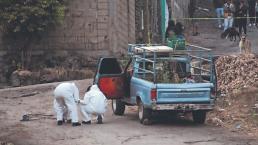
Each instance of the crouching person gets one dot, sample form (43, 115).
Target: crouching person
(66, 97)
(94, 102)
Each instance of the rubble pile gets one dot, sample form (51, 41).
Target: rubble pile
(48, 75)
(236, 72)
(237, 106)
(237, 111)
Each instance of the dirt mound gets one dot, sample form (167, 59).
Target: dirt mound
(237, 107)
(48, 75)
(237, 111)
(236, 72)
(22, 77)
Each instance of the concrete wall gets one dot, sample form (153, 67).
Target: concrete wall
(92, 28)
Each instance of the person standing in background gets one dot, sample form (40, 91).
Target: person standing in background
(170, 29)
(236, 16)
(229, 10)
(242, 14)
(218, 5)
(251, 10)
(191, 10)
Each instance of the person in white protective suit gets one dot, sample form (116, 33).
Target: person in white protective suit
(94, 102)
(66, 98)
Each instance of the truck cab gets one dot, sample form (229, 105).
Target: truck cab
(159, 78)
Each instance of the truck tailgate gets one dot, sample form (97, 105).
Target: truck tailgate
(183, 93)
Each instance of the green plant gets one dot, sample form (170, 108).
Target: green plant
(24, 22)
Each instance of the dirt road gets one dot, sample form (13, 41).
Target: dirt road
(210, 37)
(116, 130)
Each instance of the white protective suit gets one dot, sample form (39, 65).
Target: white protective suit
(66, 95)
(94, 102)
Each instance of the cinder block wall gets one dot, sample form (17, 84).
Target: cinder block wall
(92, 28)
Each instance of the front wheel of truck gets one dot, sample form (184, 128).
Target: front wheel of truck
(118, 107)
(144, 114)
(199, 116)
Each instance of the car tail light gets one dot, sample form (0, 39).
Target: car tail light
(153, 94)
(213, 93)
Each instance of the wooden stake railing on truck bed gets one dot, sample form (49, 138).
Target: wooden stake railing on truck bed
(152, 53)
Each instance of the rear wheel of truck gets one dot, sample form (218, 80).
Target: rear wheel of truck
(199, 116)
(118, 107)
(144, 114)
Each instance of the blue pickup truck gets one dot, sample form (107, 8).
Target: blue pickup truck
(159, 78)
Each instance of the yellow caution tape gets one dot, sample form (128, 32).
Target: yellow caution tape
(175, 19)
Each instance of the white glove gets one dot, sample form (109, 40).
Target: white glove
(78, 101)
(82, 102)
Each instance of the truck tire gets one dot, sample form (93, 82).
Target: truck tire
(199, 116)
(118, 107)
(144, 114)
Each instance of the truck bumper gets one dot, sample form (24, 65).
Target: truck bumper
(183, 107)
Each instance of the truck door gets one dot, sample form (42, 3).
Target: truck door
(110, 78)
(214, 80)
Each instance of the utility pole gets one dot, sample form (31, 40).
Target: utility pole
(148, 22)
(163, 19)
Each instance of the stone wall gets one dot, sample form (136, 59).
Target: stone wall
(91, 29)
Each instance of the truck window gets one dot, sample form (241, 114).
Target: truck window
(110, 66)
(166, 72)
(170, 72)
(144, 72)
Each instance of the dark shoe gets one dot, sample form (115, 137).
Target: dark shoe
(69, 121)
(99, 119)
(86, 122)
(60, 122)
(76, 124)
